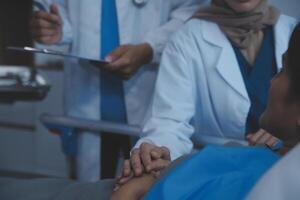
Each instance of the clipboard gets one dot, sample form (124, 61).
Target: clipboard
(98, 63)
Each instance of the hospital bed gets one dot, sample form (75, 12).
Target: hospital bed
(57, 124)
(68, 128)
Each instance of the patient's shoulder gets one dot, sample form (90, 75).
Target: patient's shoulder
(282, 179)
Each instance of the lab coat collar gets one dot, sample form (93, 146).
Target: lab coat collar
(227, 64)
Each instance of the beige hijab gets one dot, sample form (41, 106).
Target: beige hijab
(244, 30)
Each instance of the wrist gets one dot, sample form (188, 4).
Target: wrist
(148, 181)
(148, 53)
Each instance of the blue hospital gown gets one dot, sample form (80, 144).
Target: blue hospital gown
(215, 173)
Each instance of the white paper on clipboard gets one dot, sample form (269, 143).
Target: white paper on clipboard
(96, 62)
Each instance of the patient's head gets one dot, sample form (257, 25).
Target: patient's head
(282, 116)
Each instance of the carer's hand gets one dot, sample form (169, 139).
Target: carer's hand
(127, 59)
(262, 137)
(46, 27)
(146, 159)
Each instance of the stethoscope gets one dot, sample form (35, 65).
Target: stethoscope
(140, 3)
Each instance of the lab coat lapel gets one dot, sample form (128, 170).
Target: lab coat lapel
(227, 64)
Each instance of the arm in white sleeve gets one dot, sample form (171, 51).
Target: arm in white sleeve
(173, 104)
(67, 34)
(182, 10)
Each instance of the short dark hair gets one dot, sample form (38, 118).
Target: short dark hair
(293, 58)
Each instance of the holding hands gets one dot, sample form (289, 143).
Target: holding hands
(148, 159)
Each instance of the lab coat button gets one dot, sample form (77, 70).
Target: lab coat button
(140, 2)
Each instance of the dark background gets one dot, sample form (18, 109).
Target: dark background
(14, 31)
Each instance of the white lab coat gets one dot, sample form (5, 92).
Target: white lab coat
(153, 23)
(282, 181)
(200, 90)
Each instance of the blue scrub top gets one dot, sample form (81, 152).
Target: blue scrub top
(257, 78)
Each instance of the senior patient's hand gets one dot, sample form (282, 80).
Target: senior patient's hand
(134, 189)
(262, 137)
(127, 59)
(46, 27)
(146, 159)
